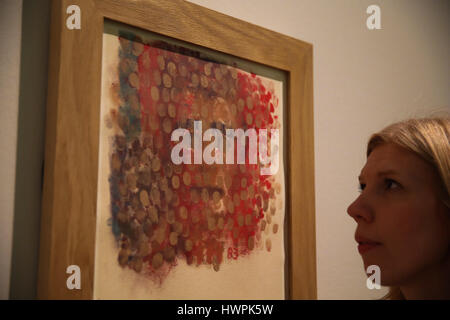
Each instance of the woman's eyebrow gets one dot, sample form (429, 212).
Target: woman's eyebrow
(380, 173)
(386, 172)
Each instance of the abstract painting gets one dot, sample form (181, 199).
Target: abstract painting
(191, 189)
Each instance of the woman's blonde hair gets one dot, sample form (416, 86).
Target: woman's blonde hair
(429, 138)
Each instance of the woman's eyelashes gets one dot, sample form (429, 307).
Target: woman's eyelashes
(391, 184)
(387, 184)
(361, 187)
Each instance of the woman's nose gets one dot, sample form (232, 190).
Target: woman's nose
(361, 210)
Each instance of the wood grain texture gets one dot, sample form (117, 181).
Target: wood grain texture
(43, 286)
(71, 159)
(301, 177)
(72, 134)
(183, 20)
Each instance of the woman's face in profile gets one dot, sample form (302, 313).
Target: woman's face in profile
(402, 224)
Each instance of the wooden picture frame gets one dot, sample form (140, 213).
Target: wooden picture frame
(68, 223)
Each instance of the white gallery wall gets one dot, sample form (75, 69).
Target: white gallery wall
(363, 80)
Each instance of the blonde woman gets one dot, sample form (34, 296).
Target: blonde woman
(403, 210)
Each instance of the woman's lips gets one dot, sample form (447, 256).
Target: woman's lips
(364, 247)
(365, 244)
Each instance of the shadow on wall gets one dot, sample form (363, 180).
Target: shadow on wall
(30, 148)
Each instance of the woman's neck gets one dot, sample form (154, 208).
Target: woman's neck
(432, 283)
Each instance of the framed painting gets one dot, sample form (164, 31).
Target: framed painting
(179, 156)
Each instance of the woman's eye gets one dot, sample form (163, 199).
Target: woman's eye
(391, 184)
(361, 187)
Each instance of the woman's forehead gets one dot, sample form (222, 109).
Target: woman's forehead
(390, 159)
